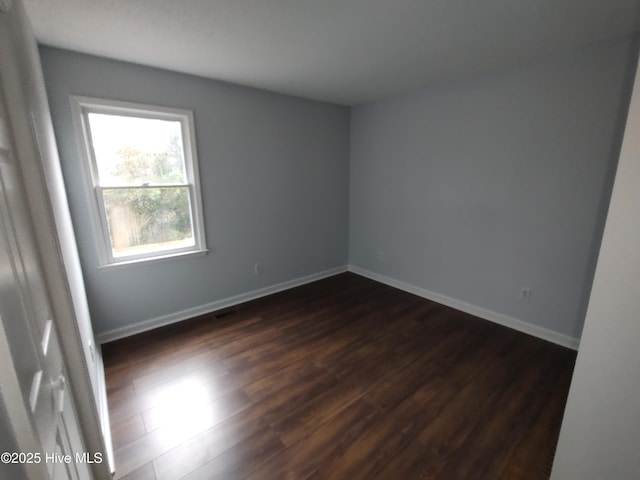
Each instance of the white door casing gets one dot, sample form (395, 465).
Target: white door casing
(43, 212)
(32, 348)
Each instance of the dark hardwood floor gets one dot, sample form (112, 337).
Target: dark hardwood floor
(344, 378)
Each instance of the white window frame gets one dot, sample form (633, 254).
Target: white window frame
(81, 106)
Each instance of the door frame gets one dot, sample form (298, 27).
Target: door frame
(37, 159)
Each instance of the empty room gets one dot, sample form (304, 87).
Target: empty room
(319, 240)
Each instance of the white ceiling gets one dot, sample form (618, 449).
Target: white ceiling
(342, 51)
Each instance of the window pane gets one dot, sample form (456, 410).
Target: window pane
(144, 220)
(136, 151)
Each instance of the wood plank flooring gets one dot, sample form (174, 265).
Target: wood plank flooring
(344, 378)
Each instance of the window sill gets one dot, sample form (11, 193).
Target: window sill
(155, 259)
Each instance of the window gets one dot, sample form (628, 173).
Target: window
(144, 175)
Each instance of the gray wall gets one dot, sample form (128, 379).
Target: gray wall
(475, 188)
(600, 435)
(471, 189)
(274, 174)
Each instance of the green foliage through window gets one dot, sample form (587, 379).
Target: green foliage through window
(147, 216)
(145, 176)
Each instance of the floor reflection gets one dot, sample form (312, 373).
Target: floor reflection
(183, 409)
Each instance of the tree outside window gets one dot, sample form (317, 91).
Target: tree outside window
(144, 178)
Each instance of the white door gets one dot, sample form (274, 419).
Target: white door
(32, 357)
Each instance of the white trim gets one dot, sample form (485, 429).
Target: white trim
(34, 393)
(46, 337)
(158, 258)
(19, 420)
(81, 134)
(499, 318)
(80, 109)
(504, 320)
(163, 320)
(103, 406)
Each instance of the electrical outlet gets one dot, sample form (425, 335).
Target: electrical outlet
(381, 256)
(525, 294)
(258, 268)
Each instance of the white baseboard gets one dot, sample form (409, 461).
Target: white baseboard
(163, 320)
(505, 320)
(103, 407)
(515, 324)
